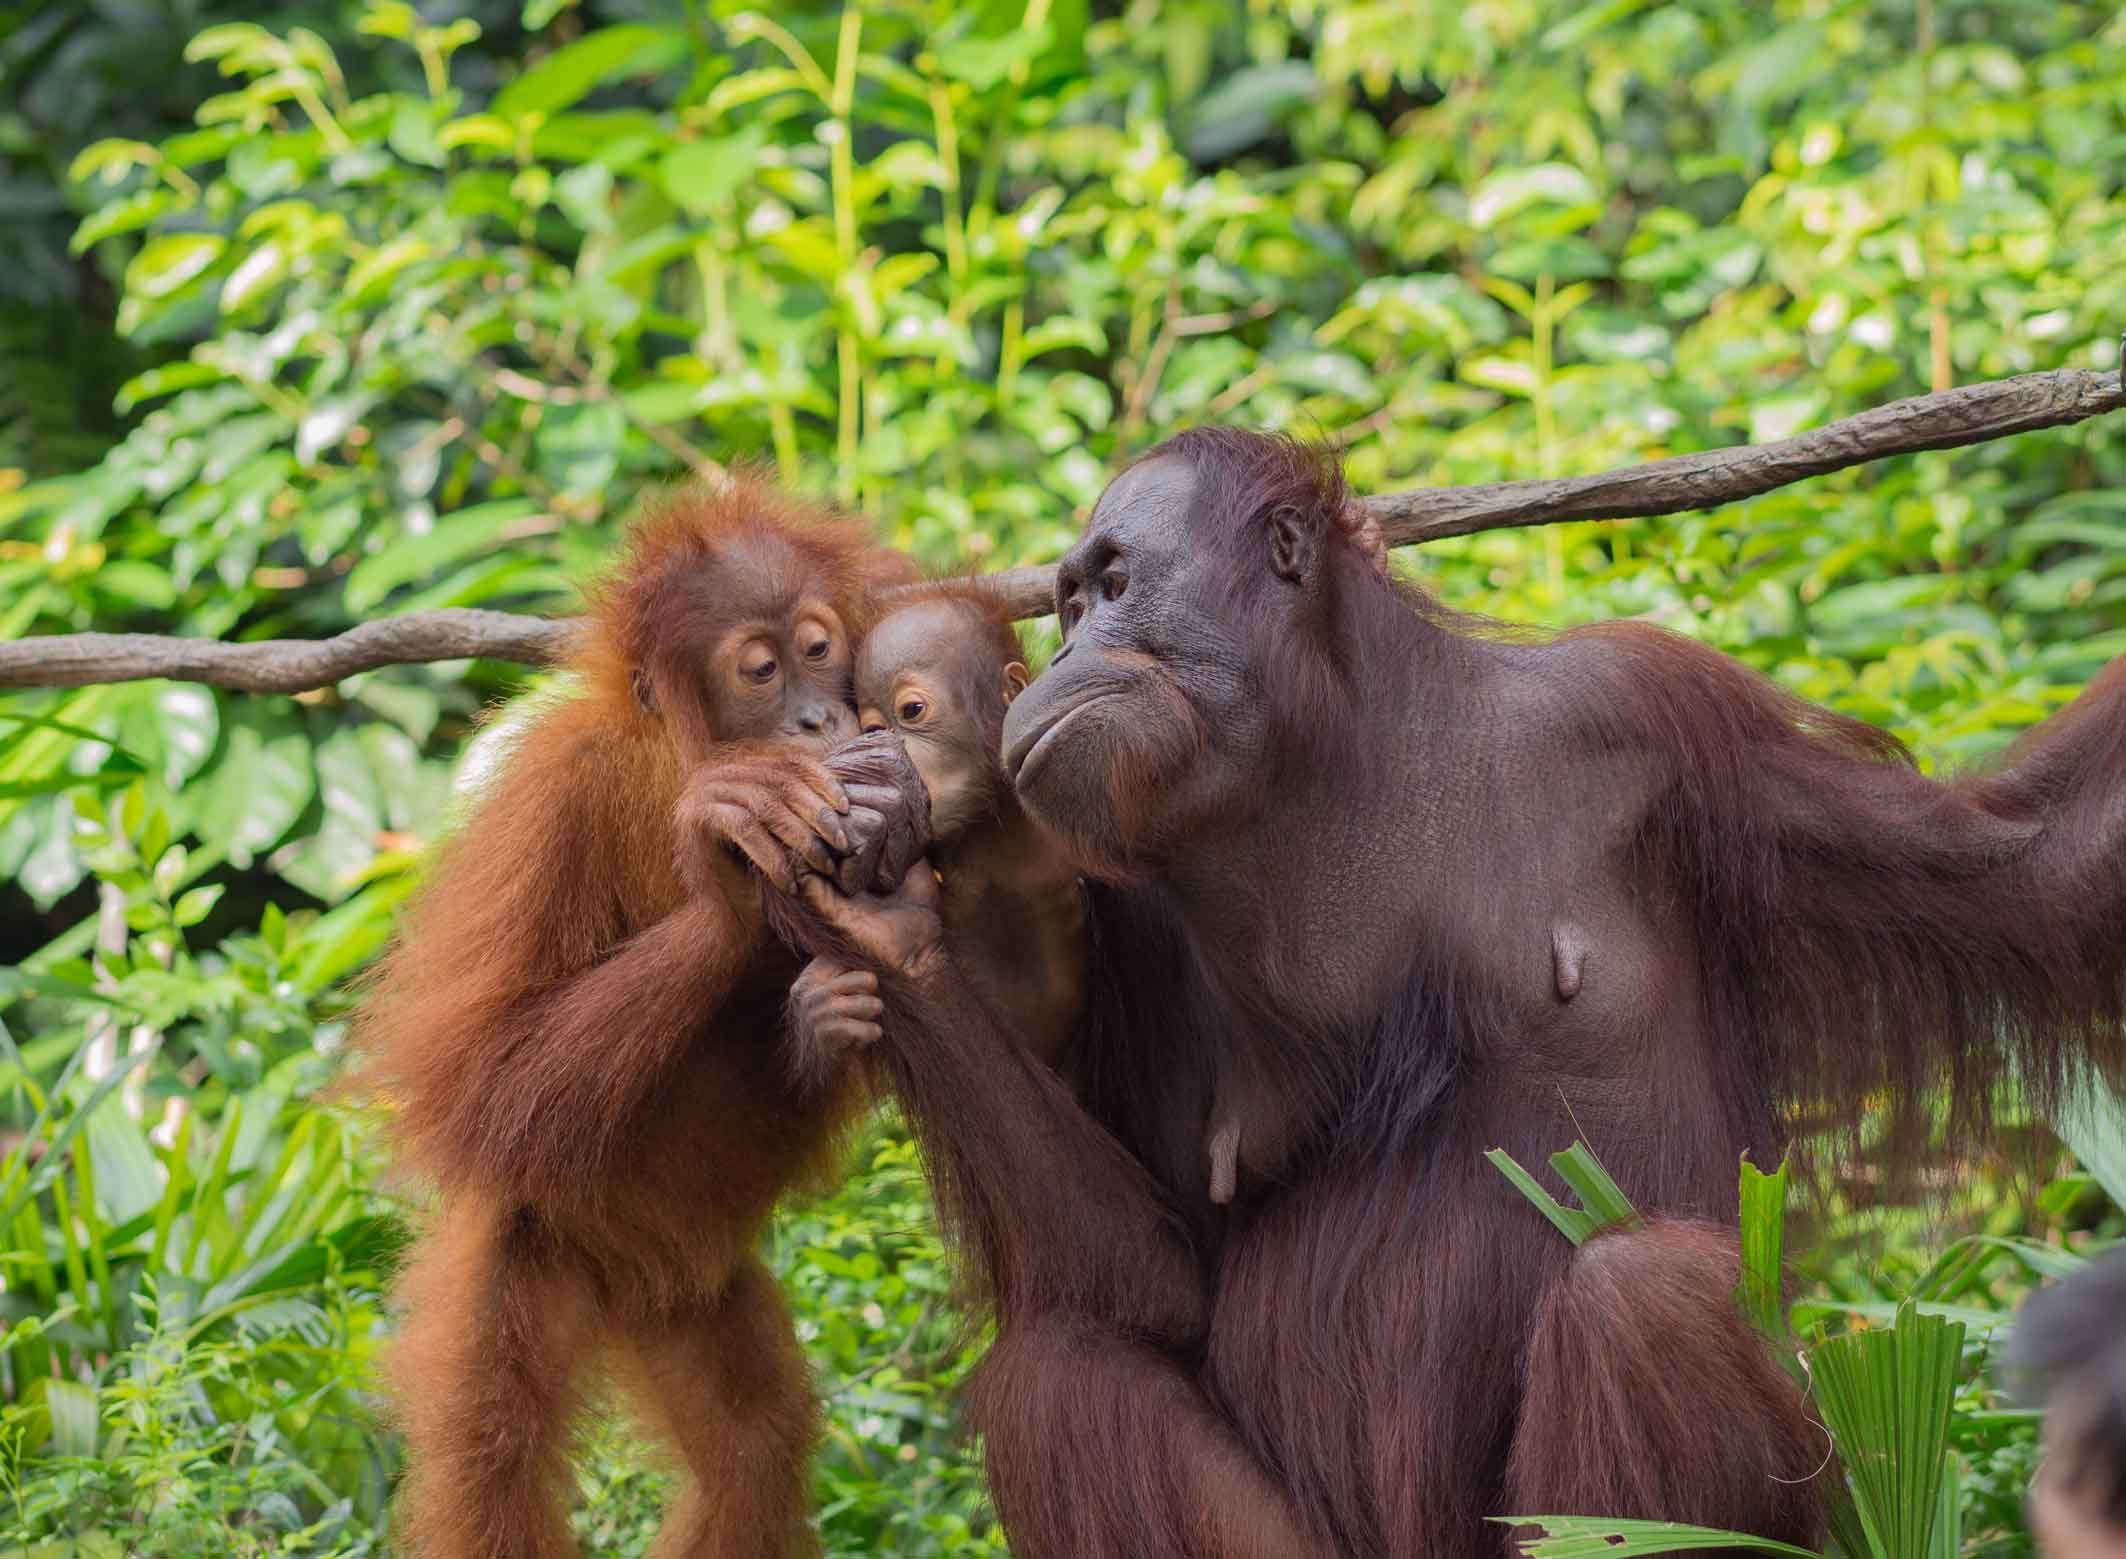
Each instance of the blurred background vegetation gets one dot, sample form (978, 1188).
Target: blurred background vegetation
(315, 311)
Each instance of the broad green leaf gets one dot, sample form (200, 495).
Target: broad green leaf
(1513, 190)
(1885, 1396)
(1762, 1199)
(984, 62)
(411, 558)
(579, 446)
(258, 787)
(126, 215)
(253, 274)
(702, 176)
(76, 1426)
(576, 68)
(167, 263)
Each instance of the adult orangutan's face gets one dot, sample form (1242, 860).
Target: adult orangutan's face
(1146, 727)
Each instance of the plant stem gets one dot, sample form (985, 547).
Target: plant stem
(849, 400)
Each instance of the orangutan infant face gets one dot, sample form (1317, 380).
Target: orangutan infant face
(931, 673)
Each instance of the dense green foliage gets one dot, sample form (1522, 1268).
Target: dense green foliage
(323, 310)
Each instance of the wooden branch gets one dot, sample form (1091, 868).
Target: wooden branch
(282, 665)
(1945, 420)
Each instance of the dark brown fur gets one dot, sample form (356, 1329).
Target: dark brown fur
(1339, 836)
(576, 1032)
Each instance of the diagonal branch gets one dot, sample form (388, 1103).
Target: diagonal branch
(1944, 420)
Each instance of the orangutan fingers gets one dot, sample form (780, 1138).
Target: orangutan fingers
(860, 867)
(904, 844)
(850, 1034)
(821, 816)
(757, 843)
(853, 982)
(866, 1009)
(895, 845)
(796, 833)
(827, 903)
(815, 777)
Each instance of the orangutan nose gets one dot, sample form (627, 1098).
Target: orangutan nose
(827, 721)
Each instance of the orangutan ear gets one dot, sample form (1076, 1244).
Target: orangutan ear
(645, 690)
(1015, 680)
(1293, 538)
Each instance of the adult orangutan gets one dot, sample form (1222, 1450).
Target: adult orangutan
(1379, 890)
(579, 1030)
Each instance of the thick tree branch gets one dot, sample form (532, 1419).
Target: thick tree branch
(282, 665)
(1945, 420)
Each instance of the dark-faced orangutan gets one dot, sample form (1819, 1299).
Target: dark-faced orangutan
(938, 671)
(579, 1031)
(1406, 890)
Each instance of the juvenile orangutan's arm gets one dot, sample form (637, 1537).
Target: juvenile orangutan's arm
(1052, 1210)
(544, 985)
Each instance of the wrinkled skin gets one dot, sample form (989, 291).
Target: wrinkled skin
(1143, 729)
(888, 823)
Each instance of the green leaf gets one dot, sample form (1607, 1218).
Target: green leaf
(1763, 1203)
(257, 271)
(261, 785)
(579, 446)
(983, 62)
(700, 177)
(140, 584)
(76, 1426)
(1514, 190)
(167, 263)
(1885, 1396)
(2092, 1122)
(412, 558)
(193, 906)
(1592, 1537)
(1603, 1198)
(1574, 1224)
(189, 722)
(574, 69)
(129, 215)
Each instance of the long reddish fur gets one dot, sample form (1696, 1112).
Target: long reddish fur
(583, 1060)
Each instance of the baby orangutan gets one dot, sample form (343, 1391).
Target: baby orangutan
(940, 672)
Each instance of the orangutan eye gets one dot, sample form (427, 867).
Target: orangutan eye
(1112, 584)
(817, 649)
(870, 724)
(761, 670)
(911, 710)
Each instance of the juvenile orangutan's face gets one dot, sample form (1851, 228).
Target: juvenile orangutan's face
(928, 673)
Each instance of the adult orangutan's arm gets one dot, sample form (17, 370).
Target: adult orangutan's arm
(1100, 1440)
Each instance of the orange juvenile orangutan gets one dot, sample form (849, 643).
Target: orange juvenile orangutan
(579, 1029)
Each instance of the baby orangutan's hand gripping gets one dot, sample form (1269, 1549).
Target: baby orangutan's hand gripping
(833, 1017)
(834, 1007)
